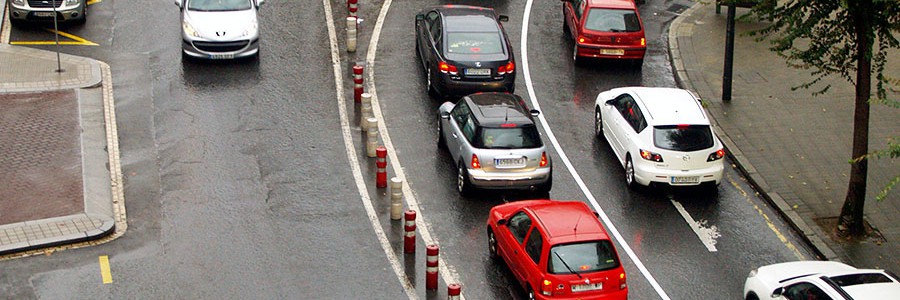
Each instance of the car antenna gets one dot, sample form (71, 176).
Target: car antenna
(576, 225)
(506, 117)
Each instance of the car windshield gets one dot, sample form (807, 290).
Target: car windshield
(582, 257)
(218, 5)
(509, 137)
(474, 43)
(612, 20)
(683, 137)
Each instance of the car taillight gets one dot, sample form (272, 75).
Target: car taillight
(448, 68)
(581, 39)
(622, 284)
(651, 156)
(475, 163)
(544, 159)
(719, 154)
(506, 69)
(643, 42)
(547, 287)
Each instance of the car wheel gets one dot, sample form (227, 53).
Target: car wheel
(629, 173)
(752, 296)
(429, 83)
(598, 124)
(637, 63)
(544, 189)
(575, 58)
(442, 144)
(492, 245)
(463, 185)
(530, 293)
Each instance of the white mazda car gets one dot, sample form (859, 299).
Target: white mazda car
(660, 135)
(820, 280)
(219, 29)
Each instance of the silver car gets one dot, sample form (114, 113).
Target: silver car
(219, 29)
(494, 143)
(42, 11)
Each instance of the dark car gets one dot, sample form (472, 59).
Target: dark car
(464, 49)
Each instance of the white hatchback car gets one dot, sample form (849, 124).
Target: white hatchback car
(820, 280)
(219, 29)
(660, 135)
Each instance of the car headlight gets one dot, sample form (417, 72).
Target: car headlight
(752, 273)
(18, 2)
(71, 2)
(189, 30)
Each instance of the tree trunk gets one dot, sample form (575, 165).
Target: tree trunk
(851, 219)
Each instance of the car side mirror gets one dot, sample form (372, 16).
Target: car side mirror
(445, 115)
(420, 17)
(178, 3)
(259, 2)
(596, 214)
(503, 18)
(501, 222)
(777, 292)
(611, 102)
(534, 112)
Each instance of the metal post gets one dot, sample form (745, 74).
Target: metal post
(56, 33)
(729, 54)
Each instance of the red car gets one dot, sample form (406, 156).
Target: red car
(605, 29)
(556, 249)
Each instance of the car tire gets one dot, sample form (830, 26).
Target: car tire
(463, 185)
(598, 124)
(442, 144)
(577, 61)
(529, 293)
(637, 63)
(492, 245)
(752, 296)
(629, 173)
(83, 18)
(544, 189)
(429, 83)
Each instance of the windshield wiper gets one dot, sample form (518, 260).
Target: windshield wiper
(567, 265)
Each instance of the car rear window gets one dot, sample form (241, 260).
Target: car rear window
(854, 279)
(582, 257)
(509, 137)
(474, 43)
(683, 137)
(612, 20)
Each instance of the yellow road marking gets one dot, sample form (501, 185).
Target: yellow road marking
(77, 40)
(104, 269)
(771, 225)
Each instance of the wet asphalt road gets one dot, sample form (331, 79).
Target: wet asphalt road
(238, 184)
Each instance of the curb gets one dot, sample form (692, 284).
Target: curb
(679, 28)
(107, 227)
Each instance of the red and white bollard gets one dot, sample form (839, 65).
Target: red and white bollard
(409, 239)
(351, 34)
(453, 291)
(352, 7)
(431, 267)
(396, 198)
(357, 83)
(381, 167)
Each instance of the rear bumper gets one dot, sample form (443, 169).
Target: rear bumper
(646, 172)
(463, 87)
(604, 51)
(615, 295)
(509, 180)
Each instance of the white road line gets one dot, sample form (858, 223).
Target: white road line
(354, 163)
(707, 233)
(446, 270)
(609, 225)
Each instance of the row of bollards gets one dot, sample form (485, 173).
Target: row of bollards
(369, 124)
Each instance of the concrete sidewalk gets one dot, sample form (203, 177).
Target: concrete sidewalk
(30, 82)
(793, 146)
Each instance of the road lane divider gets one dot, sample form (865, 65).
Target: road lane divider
(707, 233)
(562, 154)
(385, 244)
(105, 274)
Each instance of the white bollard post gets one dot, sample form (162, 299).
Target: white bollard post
(351, 34)
(396, 198)
(365, 111)
(372, 141)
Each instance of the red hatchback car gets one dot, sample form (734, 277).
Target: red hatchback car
(556, 249)
(605, 29)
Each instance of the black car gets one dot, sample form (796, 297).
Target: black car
(464, 49)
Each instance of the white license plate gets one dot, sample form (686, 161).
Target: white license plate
(685, 179)
(587, 287)
(509, 162)
(612, 51)
(43, 14)
(478, 72)
(222, 56)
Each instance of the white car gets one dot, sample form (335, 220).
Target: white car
(660, 135)
(818, 280)
(219, 29)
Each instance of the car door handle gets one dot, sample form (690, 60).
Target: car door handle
(454, 135)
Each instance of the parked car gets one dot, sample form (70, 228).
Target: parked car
(556, 250)
(42, 11)
(609, 29)
(219, 29)
(493, 140)
(820, 280)
(464, 49)
(660, 135)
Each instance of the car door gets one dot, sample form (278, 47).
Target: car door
(425, 35)
(514, 233)
(531, 258)
(459, 117)
(572, 11)
(616, 119)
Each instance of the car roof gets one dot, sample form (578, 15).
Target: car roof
(669, 106)
(618, 4)
(565, 221)
(467, 18)
(494, 109)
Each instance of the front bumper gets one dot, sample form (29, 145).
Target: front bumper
(509, 180)
(646, 172)
(220, 50)
(64, 13)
